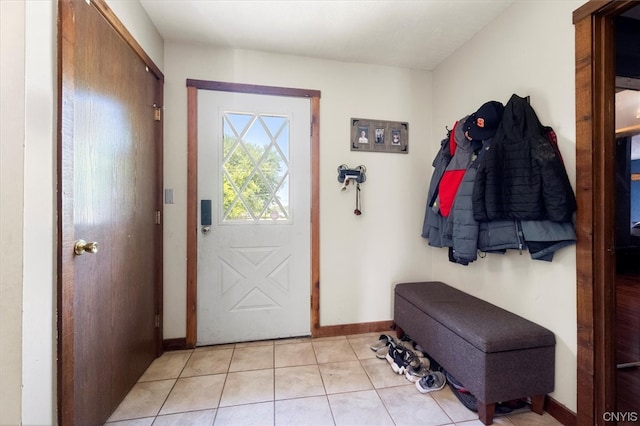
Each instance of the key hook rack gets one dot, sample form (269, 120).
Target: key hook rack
(346, 175)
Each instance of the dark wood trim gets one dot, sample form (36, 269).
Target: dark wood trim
(65, 273)
(102, 7)
(602, 8)
(159, 234)
(177, 344)
(315, 215)
(560, 412)
(326, 331)
(347, 329)
(192, 215)
(584, 220)
(221, 86)
(192, 191)
(595, 259)
(586, 10)
(603, 151)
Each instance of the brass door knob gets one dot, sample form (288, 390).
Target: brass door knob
(82, 247)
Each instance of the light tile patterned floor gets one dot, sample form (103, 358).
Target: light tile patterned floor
(326, 381)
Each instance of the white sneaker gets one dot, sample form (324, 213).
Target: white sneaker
(431, 382)
(417, 369)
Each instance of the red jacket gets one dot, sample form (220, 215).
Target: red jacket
(461, 150)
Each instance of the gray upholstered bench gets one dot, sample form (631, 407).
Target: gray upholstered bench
(498, 356)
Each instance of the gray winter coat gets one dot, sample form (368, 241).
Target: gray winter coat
(463, 230)
(434, 225)
(461, 226)
(468, 236)
(542, 238)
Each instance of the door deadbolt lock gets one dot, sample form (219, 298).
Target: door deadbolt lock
(82, 247)
(206, 230)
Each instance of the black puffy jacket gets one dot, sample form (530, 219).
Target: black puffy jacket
(522, 175)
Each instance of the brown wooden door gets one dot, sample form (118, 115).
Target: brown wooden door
(109, 192)
(595, 222)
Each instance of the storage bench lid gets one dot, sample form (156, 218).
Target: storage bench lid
(486, 326)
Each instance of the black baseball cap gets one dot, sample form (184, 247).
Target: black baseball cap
(484, 123)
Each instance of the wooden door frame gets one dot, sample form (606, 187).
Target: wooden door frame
(192, 191)
(65, 321)
(595, 162)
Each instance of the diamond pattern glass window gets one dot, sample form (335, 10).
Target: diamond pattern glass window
(255, 181)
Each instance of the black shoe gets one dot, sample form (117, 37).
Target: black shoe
(399, 358)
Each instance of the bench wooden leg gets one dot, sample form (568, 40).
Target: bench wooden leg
(486, 412)
(537, 404)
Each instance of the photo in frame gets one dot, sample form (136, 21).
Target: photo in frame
(379, 136)
(363, 134)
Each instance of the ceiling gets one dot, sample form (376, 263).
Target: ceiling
(417, 34)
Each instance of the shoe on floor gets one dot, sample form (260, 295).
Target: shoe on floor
(455, 383)
(418, 368)
(412, 346)
(431, 382)
(399, 358)
(383, 351)
(463, 395)
(383, 340)
(419, 362)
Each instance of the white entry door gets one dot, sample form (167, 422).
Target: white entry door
(254, 192)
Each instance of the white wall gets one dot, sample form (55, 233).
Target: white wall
(529, 51)
(360, 256)
(137, 22)
(12, 82)
(28, 252)
(39, 295)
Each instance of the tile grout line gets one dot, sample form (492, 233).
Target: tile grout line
(273, 375)
(324, 385)
(358, 348)
(173, 387)
(224, 384)
(374, 387)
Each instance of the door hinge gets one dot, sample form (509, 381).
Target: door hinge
(158, 221)
(157, 321)
(157, 115)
